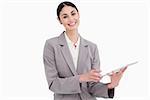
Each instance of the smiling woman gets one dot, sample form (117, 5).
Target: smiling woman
(68, 15)
(118, 27)
(72, 64)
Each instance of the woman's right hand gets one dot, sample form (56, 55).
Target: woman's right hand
(92, 75)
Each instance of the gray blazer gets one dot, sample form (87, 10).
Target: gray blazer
(61, 75)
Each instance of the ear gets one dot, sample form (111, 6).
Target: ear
(59, 20)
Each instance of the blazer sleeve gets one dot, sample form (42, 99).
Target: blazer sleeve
(57, 84)
(99, 89)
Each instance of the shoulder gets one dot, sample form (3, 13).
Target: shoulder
(90, 44)
(56, 40)
(52, 41)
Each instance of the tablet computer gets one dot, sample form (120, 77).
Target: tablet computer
(117, 70)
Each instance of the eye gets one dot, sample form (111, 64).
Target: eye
(65, 17)
(73, 14)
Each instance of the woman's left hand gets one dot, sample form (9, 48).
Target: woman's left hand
(115, 78)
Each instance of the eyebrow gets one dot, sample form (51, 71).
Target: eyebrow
(66, 14)
(72, 11)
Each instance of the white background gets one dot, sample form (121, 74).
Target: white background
(119, 28)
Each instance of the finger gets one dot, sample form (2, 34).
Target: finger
(93, 70)
(120, 73)
(99, 71)
(111, 74)
(96, 71)
(96, 75)
(95, 78)
(124, 69)
(116, 73)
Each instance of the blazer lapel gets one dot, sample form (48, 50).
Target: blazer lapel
(83, 52)
(66, 53)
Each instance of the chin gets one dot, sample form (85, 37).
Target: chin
(72, 28)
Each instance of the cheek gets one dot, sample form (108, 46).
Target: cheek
(64, 22)
(78, 19)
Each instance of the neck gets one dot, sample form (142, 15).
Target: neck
(73, 35)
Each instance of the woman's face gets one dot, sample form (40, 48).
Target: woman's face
(69, 17)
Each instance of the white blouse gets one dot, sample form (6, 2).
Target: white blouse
(74, 49)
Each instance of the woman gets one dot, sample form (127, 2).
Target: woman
(72, 63)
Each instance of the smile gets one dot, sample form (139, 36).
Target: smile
(72, 24)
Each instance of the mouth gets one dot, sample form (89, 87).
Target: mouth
(72, 24)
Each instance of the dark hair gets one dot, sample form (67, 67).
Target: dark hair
(62, 4)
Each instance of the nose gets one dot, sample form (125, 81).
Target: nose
(71, 18)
